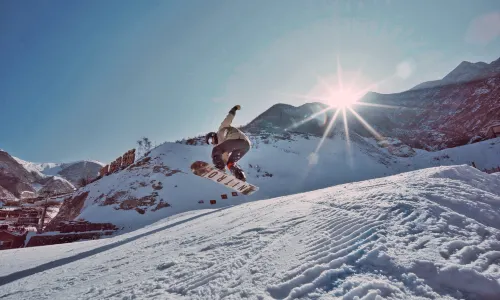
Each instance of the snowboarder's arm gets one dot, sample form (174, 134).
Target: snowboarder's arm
(229, 118)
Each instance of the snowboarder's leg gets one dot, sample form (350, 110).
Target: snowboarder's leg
(242, 148)
(217, 152)
(237, 148)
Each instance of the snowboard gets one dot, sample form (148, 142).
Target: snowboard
(208, 171)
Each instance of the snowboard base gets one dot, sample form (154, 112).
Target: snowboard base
(208, 171)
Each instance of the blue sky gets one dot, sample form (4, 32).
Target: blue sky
(86, 79)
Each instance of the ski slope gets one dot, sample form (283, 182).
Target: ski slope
(427, 234)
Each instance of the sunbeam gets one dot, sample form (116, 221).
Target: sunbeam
(327, 130)
(346, 128)
(381, 105)
(309, 118)
(366, 125)
(347, 137)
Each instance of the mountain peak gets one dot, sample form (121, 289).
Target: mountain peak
(495, 64)
(281, 117)
(465, 72)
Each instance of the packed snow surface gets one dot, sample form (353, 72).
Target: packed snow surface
(427, 234)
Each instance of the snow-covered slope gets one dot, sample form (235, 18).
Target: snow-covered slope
(279, 164)
(428, 234)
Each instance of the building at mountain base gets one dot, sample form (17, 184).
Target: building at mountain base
(10, 240)
(63, 232)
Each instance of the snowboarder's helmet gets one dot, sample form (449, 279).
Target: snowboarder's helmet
(213, 136)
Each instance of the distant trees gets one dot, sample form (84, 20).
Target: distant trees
(144, 146)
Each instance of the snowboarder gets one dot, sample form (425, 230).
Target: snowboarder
(231, 144)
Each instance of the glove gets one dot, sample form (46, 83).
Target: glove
(234, 109)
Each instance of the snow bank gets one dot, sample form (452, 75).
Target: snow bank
(428, 234)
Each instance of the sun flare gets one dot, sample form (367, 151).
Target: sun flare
(343, 99)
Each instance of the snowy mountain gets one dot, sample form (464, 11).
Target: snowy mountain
(162, 184)
(35, 167)
(432, 118)
(72, 172)
(21, 179)
(428, 234)
(464, 72)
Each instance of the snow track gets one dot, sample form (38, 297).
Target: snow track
(391, 238)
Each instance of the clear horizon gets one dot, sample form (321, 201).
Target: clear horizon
(85, 80)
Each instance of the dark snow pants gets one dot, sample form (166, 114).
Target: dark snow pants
(236, 148)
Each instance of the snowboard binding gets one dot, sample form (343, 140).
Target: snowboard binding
(237, 171)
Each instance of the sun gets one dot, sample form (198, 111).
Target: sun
(342, 98)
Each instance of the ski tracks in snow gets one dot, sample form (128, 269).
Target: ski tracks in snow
(314, 249)
(230, 267)
(335, 238)
(371, 240)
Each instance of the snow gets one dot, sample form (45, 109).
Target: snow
(427, 234)
(35, 167)
(284, 160)
(278, 166)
